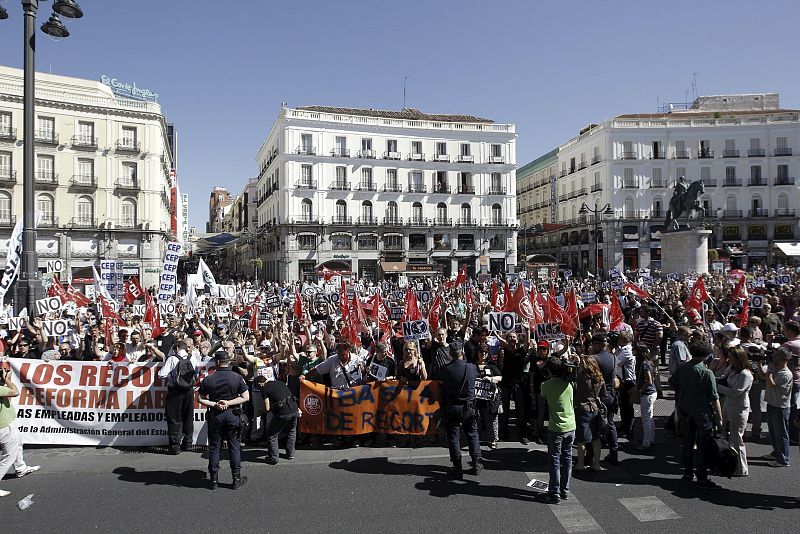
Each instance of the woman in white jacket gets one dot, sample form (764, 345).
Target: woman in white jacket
(735, 385)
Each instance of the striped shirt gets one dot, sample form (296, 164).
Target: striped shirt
(649, 332)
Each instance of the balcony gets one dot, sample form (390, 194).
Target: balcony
(581, 192)
(46, 179)
(499, 222)
(8, 134)
(658, 183)
(756, 153)
(658, 155)
(784, 180)
(466, 190)
(443, 221)
(416, 156)
(759, 212)
(127, 184)
(630, 183)
(392, 155)
(680, 154)
(46, 138)
(392, 188)
(497, 190)
(367, 154)
(83, 182)
(393, 221)
(129, 223)
(596, 187)
(367, 186)
(710, 183)
(442, 189)
(48, 221)
(8, 177)
(304, 220)
(785, 212)
(305, 150)
(367, 221)
(706, 154)
(393, 246)
(82, 222)
(416, 188)
(573, 169)
(339, 186)
(465, 221)
(783, 151)
(731, 214)
(563, 173)
(445, 158)
(563, 197)
(8, 221)
(596, 160)
(84, 142)
(340, 153)
(497, 159)
(306, 184)
(732, 182)
(730, 153)
(631, 215)
(466, 158)
(341, 245)
(128, 146)
(627, 155)
(582, 165)
(341, 220)
(757, 182)
(418, 221)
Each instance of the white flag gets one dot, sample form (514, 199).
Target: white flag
(14, 254)
(206, 277)
(100, 288)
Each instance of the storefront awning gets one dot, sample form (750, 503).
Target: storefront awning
(790, 249)
(393, 266)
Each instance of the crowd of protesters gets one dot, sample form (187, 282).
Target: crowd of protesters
(731, 365)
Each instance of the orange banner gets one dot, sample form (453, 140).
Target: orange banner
(385, 407)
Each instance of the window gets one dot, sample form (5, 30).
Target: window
(129, 174)
(730, 145)
(305, 175)
(85, 171)
(340, 146)
(781, 142)
(5, 207)
(627, 150)
(393, 242)
(496, 183)
(755, 143)
(705, 148)
(783, 203)
(657, 150)
(441, 181)
(657, 179)
(441, 213)
(416, 211)
(657, 207)
(306, 144)
(680, 171)
(84, 211)
(730, 203)
(730, 175)
(341, 210)
(416, 147)
(705, 174)
(391, 145)
(5, 124)
(366, 211)
(391, 179)
(497, 151)
(46, 204)
(497, 214)
(417, 184)
(341, 242)
(44, 168)
(465, 182)
(46, 128)
(628, 209)
(466, 213)
(391, 210)
(366, 144)
(367, 242)
(783, 172)
(306, 242)
(85, 133)
(627, 177)
(127, 210)
(465, 149)
(129, 136)
(5, 165)
(341, 177)
(306, 210)
(366, 178)
(680, 149)
(755, 174)
(756, 203)
(441, 149)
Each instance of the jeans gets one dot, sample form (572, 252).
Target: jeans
(517, 393)
(179, 412)
(648, 424)
(794, 405)
(276, 426)
(559, 456)
(457, 416)
(757, 406)
(223, 425)
(778, 421)
(11, 449)
(698, 432)
(613, 440)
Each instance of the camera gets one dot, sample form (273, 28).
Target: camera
(560, 368)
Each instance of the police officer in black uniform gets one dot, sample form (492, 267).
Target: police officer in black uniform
(223, 392)
(458, 397)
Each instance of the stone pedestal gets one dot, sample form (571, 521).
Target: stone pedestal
(685, 250)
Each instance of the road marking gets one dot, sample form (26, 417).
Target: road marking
(571, 513)
(649, 509)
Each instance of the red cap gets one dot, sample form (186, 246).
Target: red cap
(543, 344)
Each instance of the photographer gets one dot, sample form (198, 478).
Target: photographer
(778, 379)
(10, 442)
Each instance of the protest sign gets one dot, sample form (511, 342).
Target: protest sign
(166, 308)
(501, 321)
(756, 301)
(222, 311)
(224, 291)
(588, 297)
(138, 309)
(48, 305)
(485, 390)
(377, 370)
(55, 328)
(273, 301)
(549, 331)
(415, 330)
(782, 279)
(168, 281)
(396, 313)
(55, 266)
(386, 407)
(17, 323)
(423, 297)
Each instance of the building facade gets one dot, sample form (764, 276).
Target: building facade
(102, 175)
(743, 147)
(386, 192)
(536, 205)
(219, 200)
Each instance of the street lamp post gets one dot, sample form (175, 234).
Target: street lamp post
(29, 285)
(597, 212)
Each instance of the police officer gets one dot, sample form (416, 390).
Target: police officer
(458, 396)
(223, 393)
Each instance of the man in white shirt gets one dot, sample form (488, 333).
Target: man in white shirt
(345, 368)
(179, 403)
(135, 348)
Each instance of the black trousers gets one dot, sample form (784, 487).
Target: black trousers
(458, 416)
(223, 425)
(626, 407)
(518, 394)
(276, 426)
(179, 411)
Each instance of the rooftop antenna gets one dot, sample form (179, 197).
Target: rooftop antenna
(404, 91)
(694, 84)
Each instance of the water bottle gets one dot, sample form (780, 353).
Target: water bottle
(26, 502)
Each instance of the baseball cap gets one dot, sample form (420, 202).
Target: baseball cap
(222, 356)
(543, 345)
(729, 327)
(599, 338)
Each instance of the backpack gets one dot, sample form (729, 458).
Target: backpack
(183, 374)
(722, 459)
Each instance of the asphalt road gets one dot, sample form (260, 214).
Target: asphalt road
(403, 489)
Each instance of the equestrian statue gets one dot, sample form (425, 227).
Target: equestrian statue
(685, 200)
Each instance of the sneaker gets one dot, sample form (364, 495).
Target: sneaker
(290, 456)
(548, 498)
(271, 461)
(493, 445)
(564, 496)
(28, 470)
(524, 441)
(776, 463)
(708, 484)
(4, 493)
(769, 456)
(477, 468)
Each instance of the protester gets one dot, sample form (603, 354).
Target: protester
(778, 379)
(10, 442)
(645, 387)
(558, 393)
(735, 386)
(589, 389)
(490, 409)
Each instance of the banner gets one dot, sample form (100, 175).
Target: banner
(385, 407)
(13, 259)
(168, 281)
(93, 403)
(111, 276)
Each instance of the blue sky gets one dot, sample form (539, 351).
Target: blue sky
(549, 67)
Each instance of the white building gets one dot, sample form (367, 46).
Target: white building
(744, 148)
(386, 192)
(102, 174)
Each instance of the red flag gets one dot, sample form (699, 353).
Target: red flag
(380, 314)
(298, 306)
(636, 290)
(253, 323)
(744, 314)
(493, 300)
(348, 331)
(133, 291)
(543, 303)
(433, 315)
(616, 315)
(538, 312)
(520, 304)
(108, 311)
(740, 292)
(57, 290)
(560, 316)
(698, 295)
(507, 304)
(77, 297)
(152, 315)
(412, 308)
(469, 299)
(572, 308)
(327, 274)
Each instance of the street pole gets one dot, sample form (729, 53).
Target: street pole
(29, 286)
